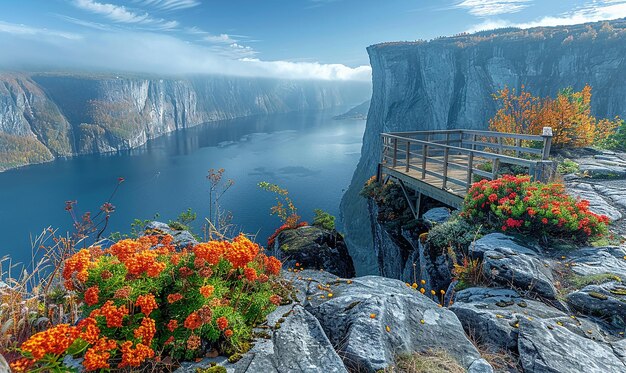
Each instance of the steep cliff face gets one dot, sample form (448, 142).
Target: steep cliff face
(448, 83)
(54, 115)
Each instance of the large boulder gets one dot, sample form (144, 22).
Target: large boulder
(548, 347)
(607, 301)
(493, 315)
(437, 215)
(297, 344)
(314, 248)
(511, 263)
(590, 261)
(371, 320)
(181, 239)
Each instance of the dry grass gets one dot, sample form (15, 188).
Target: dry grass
(31, 298)
(432, 361)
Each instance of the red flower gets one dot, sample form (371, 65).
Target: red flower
(222, 323)
(172, 325)
(147, 303)
(207, 290)
(174, 298)
(250, 274)
(193, 321)
(228, 333)
(273, 265)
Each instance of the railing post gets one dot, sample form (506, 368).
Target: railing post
(395, 152)
(470, 167)
(518, 144)
(424, 156)
(474, 141)
(408, 155)
(446, 153)
(547, 142)
(495, 167)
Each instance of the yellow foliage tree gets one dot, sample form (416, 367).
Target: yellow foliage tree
(569, 115)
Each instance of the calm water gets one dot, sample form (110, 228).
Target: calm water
(310, 154)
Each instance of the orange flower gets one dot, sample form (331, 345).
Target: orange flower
(241, 252)
(211, 251)
(263, 278)
(250, 274)
(122, 293)
(123, 249)
(97, 356)
(147, 303)
(222, 323)
(134, 357)
(273, 265)
(174, 297)
(146, 331)
(89, 330)
(275, 300)
(114, 315)
(55, 341)
(228, 333)
(76, 265)
(207, 290)
(91, 295)
(172, 325)
(193, 342)
(193, 321)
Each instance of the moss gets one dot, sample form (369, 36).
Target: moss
(620, 290)
(234, 358)
(351, 306)
(431, 361)
(213, 369)
(579, 282)
(567, 166)
(505, 303)
(595, 294)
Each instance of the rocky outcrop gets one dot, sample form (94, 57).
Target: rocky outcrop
(314, 248)
(182, 239)
(78, 114)
(448, 83)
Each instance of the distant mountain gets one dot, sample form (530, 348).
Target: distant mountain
(357, 112)
(43, 116)
(449, 82)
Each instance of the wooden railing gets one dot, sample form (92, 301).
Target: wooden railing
(446, 154)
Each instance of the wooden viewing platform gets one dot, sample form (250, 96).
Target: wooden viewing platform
(443, 164)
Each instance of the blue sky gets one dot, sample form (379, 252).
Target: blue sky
(323, 39)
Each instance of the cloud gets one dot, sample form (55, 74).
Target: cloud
(590, 12)
(168, 5)
(121, 14)
(28, 31)
(158, 53)
(485, 8)
(221, 38)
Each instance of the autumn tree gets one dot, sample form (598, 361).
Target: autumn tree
(569, 115)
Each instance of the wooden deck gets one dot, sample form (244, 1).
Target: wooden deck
(444, 164)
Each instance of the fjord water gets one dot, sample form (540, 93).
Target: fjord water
(309, 153)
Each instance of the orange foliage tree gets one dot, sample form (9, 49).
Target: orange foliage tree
(569, 115)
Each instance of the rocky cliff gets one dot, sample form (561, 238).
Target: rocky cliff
(45, 115)
(448, 83)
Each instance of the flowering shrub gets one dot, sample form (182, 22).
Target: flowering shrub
(141, 296)
(272, 239)
(514, 203)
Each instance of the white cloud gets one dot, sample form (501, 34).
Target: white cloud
(28, 31)
(485, 8)
(221, 38)
(169, 4)
(597, 10)
(121, 14)
(158, 53)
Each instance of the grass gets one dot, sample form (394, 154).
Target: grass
(432, 361)
(567, 166)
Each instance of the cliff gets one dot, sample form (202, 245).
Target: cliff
(449, 82)
(47, 115)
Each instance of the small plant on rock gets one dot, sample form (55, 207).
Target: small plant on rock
(142, 297)
(323, 220)
(517, 204)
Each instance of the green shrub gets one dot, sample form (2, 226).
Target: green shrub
(567, 166)
(516, 204)
(323, 220)
(455, 233)
(183, 221)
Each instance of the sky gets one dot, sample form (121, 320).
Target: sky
(297, 39)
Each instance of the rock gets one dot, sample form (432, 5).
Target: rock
(509, 263)
(4, 366)
(437, 215)
(181, 238)
(544, 347)
(297, 345)
(603, 166)
(607, 301)
(493, 315)
(314, 248)
(590, 261)
(370, 320)
(480, 366)
(598, 203)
